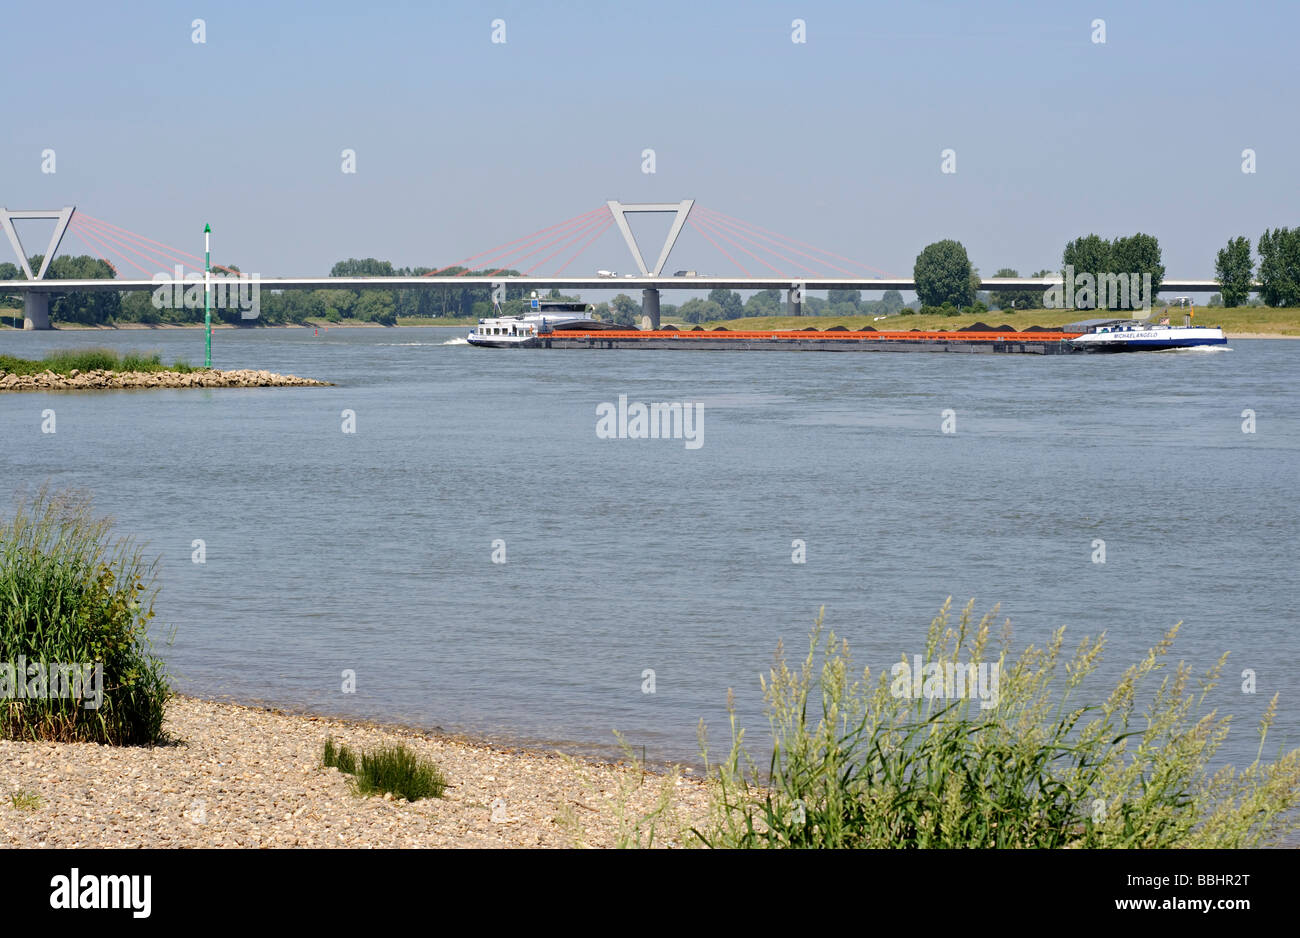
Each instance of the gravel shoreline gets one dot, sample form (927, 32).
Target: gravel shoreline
(239, 776)
(94, 380)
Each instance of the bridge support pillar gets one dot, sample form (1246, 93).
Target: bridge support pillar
(794, 300)
(36, 311)
(650, 305)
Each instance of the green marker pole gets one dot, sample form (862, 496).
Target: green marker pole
(207, 294)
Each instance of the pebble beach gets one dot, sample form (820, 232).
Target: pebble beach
(240, 776)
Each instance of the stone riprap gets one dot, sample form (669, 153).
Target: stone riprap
(123, 380)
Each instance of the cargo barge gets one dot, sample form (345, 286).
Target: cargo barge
(814, 340)
(564, 325)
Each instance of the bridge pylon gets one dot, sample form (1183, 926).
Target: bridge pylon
(619, 210)
(36, 306)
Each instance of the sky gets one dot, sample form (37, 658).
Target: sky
(462, 143)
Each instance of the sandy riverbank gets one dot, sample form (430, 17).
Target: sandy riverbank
(123, 380)
(250, 777)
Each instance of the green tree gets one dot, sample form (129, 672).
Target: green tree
(1279, 267)
(376, 306)
(762, 303)
(729, 301)
(1007, 299)
(625, 309)
(1234, 269)
(1091, 254)
(9, 272)
(1020, 299)
(98, 308)
(1138, 254)
(336, 302)
(698, 310)
(944, 274)
(891, 302)
(367, 267)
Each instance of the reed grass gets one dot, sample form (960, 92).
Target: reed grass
(92, 359)
(72, 593)
(854, 765)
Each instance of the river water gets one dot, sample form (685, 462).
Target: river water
(372, 551)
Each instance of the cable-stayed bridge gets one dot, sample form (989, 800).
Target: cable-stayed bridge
(764, 259)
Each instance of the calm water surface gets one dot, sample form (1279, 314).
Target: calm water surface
(372, 551)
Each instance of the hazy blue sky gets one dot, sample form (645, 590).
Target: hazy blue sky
(462, 143)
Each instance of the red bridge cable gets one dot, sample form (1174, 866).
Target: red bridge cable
(563, 236)
(569, 243)
(718, 220)
(86, 231)
(94, 250)
(725, 226)
(567, 237)
(152, 259)
(141, 238)
(811, 247)
(691, 222)
(512, 257)
(161, 259)
(723, 235)
(590, 241)
(527, 237)
(575, 239)
(162, 252)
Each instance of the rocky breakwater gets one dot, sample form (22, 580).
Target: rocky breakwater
(113, 380)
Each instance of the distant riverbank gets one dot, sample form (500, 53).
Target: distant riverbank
(1243, 322)
(7, 323)
(1246, 322)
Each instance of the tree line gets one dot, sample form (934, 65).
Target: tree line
(946, 281)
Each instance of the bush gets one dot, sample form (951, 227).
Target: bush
(880, 769)
(71, 596)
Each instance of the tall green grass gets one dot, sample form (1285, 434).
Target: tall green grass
(71, 593)
(853, 765)
(394, 770)
(93, 359)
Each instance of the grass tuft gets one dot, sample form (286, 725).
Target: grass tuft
(394, 770)
(92, 359)
(339, 757)
(24, 800)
